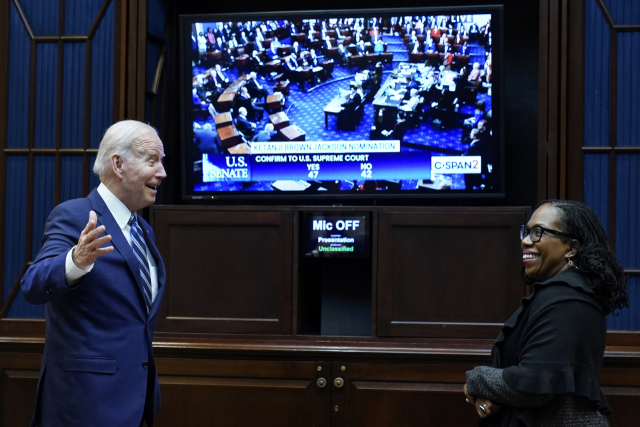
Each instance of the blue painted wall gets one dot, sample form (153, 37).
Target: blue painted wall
(42, 17)
(597, 133)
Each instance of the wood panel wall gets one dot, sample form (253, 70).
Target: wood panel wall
(450, 274)
(228, 272)
(266, 383)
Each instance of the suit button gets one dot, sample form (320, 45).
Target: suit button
(145, 365)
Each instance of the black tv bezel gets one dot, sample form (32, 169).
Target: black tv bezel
(497, 12)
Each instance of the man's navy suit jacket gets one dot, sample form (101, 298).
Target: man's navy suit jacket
(98, 349)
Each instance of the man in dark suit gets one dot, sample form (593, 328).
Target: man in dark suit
(473, 32)
(217, 31)
(244, 40)
(205, 89)
(361, 48)
(399, 129)
(245, 126)
(292, 70)
(227, 57)
(312, 61)
(256, 64)
(256, 90)
(484, 148)
(327, 43)
(483, 130)
(206, 138)
(291, 62)
(344, 55)
(255, 110)
(227, 32)
(232, 42)
(212, 84)
(264, 135)
(259, 35)
(257, 45)
(296, 48)
(201, 90)
(347, 117)
(220, 76)
(272, 53)
(464, 49)
(310, 36)
(101, 279)
(219, 45)
(353, 98)
(443, 108)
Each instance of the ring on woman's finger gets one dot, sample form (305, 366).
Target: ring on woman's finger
(483, 408)
(468, 401)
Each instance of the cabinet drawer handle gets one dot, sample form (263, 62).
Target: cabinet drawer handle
(338, 382)
(321, 382)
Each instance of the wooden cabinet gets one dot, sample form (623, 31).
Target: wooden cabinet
(297, 393)
(449, 274)
(250, 328)
(18, 381)
(362, 389)
(228, 272)
(245, 383)
(431, 273)
(400, 394)
(243, 393)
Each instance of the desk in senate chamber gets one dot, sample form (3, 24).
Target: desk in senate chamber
(333, 108)
(396, 86)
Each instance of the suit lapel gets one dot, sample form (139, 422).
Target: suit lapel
(118, 239)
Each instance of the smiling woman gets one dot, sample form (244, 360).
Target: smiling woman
(548, 357)
(594, 258)
(545, 257)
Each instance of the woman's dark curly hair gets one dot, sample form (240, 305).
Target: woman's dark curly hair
(595, 259)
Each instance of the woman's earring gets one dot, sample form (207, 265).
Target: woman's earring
(570, 262)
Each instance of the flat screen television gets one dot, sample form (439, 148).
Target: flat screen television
(383, 103)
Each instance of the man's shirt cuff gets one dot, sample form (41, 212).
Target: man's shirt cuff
(72, 273)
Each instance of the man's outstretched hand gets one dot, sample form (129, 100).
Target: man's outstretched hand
(88, 248)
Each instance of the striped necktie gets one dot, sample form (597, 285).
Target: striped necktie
(140, 251)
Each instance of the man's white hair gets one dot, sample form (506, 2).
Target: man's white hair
(120, 139)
